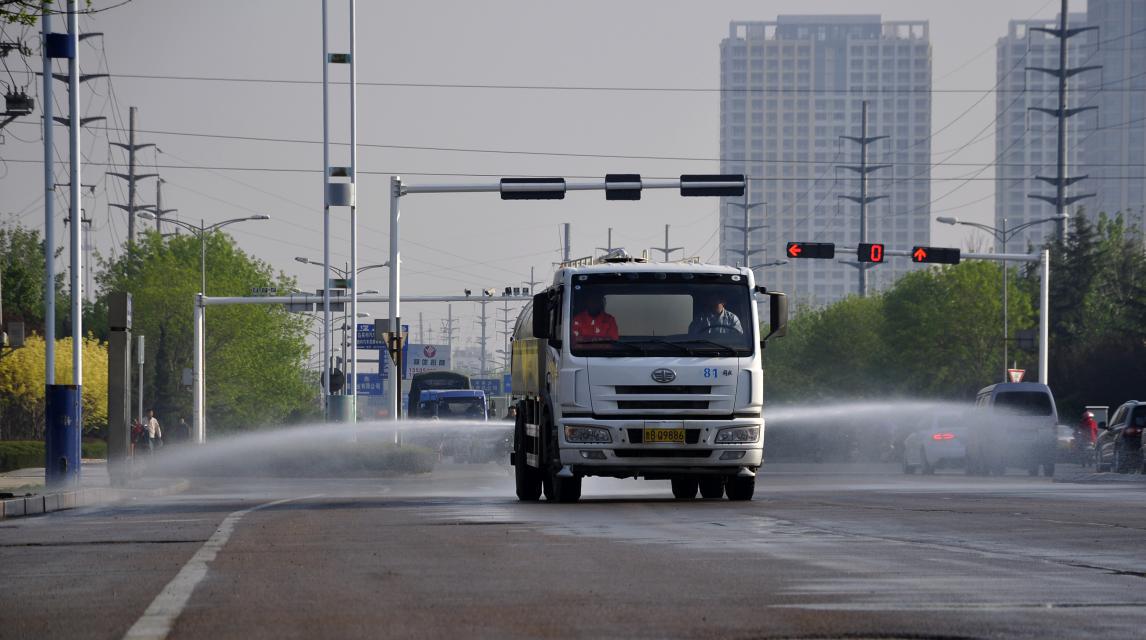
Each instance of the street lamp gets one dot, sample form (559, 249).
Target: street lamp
(345, 275)
(1002, 235)
(202, 230)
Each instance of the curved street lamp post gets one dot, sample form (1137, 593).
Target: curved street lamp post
(1002, 235)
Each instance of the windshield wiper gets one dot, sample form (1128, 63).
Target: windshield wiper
(710, 343)
(607, 341)
(670, 343)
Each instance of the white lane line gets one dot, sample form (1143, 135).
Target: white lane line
(156, 622)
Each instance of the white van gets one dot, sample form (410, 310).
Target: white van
(1016, 428)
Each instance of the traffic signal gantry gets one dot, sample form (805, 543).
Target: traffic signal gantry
(877, 252)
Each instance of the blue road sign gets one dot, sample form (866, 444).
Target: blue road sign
(370, 384)
(492, 386)
(507, 384)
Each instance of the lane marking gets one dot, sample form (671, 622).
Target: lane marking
(157, 621)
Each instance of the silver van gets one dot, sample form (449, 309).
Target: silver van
(1015, 428)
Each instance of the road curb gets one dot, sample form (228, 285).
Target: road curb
(1078, 474)
(59, 500)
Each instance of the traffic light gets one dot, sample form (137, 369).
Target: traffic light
(941, 255)
(870, 252)
(823, 250)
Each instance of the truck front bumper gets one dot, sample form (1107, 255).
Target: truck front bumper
(629, 455)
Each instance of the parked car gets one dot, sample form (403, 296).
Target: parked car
(1015, 427)
(939, 444)
(1119, 446)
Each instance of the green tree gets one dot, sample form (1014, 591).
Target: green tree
(255, 354)
(829, 352)
(1098, 302)
(22, 278)
(945, 328)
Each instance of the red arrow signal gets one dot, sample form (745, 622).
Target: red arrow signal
(941, 255)
(794, 250)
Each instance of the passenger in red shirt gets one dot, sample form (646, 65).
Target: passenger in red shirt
(593, 324)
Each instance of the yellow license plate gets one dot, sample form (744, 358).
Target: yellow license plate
(675, 436)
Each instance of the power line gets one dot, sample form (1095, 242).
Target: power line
(855, 91)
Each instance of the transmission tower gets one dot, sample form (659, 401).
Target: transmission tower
(863, 199)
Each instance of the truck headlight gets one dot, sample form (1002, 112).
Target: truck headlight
(737, 435)
(583, 435)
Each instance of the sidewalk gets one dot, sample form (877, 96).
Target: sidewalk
(31, 498)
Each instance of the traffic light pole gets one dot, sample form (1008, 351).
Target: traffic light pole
(1043, 258)
(615, 186)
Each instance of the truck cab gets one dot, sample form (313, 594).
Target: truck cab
(623, 368)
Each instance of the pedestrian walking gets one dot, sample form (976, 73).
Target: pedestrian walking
(137, 435)
(154, 432)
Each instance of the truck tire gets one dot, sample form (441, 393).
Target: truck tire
(527, 478)
(684, 488)
(712, 488)
(564, 489)
(740, 488)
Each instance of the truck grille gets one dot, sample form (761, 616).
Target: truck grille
(662, 404)
(663, 389)
(662, 453)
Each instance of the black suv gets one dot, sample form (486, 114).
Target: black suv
(1119, 446)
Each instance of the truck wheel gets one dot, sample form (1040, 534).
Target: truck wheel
(740, 488)
(684, 488)
(564, 489)
(527, 478)
(712, 488)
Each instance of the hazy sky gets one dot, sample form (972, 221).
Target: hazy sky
(451, 242)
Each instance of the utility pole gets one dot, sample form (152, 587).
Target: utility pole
(1060, 201)
(667, 250)
(568, 245)
(748, 227)
(607, 248)
(483, 321)
(131, 176)
(158, 209)
(863, 199)
(533, 281)
(421, 327)
(448, 328)
(505, 332)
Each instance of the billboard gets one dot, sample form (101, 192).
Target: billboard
(426, 357)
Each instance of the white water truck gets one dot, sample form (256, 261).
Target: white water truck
(629, 369)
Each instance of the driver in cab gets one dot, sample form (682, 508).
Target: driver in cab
(592, 324)
(715, 319)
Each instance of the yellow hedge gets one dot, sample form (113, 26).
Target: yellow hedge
(22, 384)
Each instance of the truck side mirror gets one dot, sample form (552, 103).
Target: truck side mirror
(778, 315)
(541, 315)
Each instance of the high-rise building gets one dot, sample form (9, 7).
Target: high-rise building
(1115, 150)
(790, 90)
(1026, 141)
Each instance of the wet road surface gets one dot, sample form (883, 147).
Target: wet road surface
(820, 552)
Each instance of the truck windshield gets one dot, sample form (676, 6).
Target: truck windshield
(459, 408)
(671, 316)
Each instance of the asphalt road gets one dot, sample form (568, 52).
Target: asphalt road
(819, 553)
